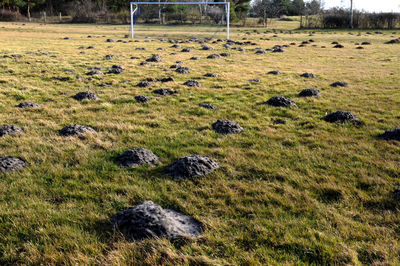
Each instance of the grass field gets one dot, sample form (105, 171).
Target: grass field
(304, 192)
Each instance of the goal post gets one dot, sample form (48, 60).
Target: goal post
(134, 6)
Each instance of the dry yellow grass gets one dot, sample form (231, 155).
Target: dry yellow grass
(304, 192)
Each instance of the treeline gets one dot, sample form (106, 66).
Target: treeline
(337, 18)
(88, 10)
(312, 15)
(267, 9)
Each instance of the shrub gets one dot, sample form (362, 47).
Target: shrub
(339, 18)
(85, 11)
(8, 15)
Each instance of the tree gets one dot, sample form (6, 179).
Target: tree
(30, 4)
(282, 5)
(177, 12)
(13, 4)
(265, 9)
(313, 7)
(297, 9)
(240, 9)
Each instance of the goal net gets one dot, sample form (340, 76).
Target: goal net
(179, 19)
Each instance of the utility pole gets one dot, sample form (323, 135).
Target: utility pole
(351, 14)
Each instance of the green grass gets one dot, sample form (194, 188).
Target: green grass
(307, 192)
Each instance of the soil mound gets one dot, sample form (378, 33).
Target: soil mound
(192, 166)
(226, 127)
(85, 95)
(6, 130)
(280, 101)
(340, 117)
(393, 134)
(136, 157)
(76, 130)
(149, 220)
(9, 163)
(28, 105)
(310, 93)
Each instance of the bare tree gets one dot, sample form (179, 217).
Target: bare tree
(265, 9)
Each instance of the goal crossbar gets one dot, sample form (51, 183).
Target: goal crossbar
(135, 4)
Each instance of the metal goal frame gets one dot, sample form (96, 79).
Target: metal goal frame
(134, 7)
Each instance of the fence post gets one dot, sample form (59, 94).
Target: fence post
(351, 14)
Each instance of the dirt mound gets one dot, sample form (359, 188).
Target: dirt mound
(154, 58)
(278, 50)
(308, 75)
(192, 166)
(274, 72)
(6, 130)
(310, 93)
(164, 92)
(85, 95)
(339, 84)
(169, 79)
(226, 127)
(149, 220)
(28, 105)
(338, 46)
(393, 41)
(109, 57)
(75, 130)
(210, 75)
(94, 73)
(393, 134)
(182, 70)
(142, 98)
(192, 83)
(9, 163)
(116, 69)
(213, 56)
(280, 101)
(208, 106)
(136, 157)
(340, 117)
(144, 84)
(206, 48)
(61, 78)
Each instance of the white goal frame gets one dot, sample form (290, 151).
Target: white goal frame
(134, 7)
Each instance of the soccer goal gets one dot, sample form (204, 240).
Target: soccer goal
(179, 13)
